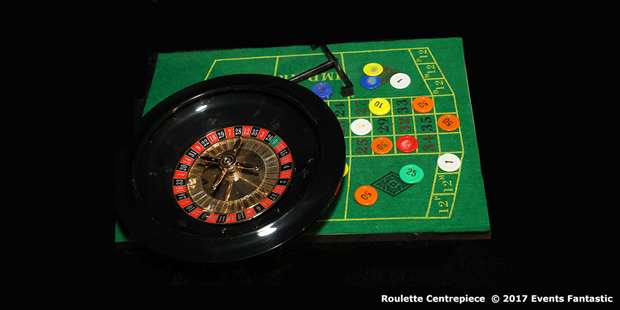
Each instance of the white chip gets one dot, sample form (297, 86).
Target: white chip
(449, 162)
(400, 80)
(361, 127)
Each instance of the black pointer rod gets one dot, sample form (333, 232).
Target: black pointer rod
(332, 62)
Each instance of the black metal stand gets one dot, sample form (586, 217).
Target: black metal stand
(332, 62)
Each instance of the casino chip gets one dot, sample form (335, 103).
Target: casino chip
(381, 145)
(407, 143)
(400, 80)
(361, 127)
(448, 122)
(423, 104)
(449, 162)
(323, 90)
(373, 69)
(370, 82)
(379, 106)
(366, 195)
(411, 174)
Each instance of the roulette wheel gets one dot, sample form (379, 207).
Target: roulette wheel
(230, 168)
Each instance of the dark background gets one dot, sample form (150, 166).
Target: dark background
(543, 241)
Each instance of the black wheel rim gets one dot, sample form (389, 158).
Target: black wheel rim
(150, 210)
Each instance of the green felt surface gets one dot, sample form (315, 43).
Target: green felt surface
(443, 202)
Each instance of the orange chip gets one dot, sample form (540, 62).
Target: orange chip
(423, 104)
(448, 122)
(366, 195)
(381, 145)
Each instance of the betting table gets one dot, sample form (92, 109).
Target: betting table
(428, 116)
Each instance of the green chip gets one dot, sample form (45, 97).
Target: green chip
(411, 174)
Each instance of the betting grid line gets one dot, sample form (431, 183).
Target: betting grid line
(420, 71)
(402, 154)
(439, 81)
(316, 54)
(275, 71)
(456, 186)
(394, 127)
(311, 54)
(386, 218)
(209, 73)
(346, 203)
(394, 118)
(435, 176)
(460, 134)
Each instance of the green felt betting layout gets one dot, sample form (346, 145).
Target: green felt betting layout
(442, 202)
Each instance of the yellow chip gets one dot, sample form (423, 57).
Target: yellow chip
(346, 169)
(379, 106)
(373, 69)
